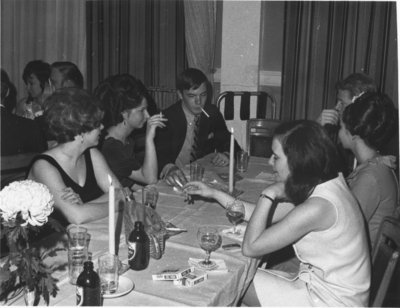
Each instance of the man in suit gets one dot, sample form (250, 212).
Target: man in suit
(194, 129)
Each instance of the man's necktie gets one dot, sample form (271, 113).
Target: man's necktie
(195, 144)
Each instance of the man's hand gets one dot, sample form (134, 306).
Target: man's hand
(173, 176)
(328, 116)
(220, 159)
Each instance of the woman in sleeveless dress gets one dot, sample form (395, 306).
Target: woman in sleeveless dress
(325, 226)
(75, 171)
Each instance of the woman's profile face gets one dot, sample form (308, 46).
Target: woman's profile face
(278, 161)
(137, 117)
(33, 86)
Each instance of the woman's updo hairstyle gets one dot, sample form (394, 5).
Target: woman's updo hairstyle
(70, 112)
(373, 118)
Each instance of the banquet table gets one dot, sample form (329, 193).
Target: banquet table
(222, 288)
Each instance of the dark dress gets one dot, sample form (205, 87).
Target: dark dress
(88, 192)
(121, 158)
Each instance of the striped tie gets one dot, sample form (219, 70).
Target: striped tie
(195, 145)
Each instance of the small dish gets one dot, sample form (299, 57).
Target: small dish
(125, 285)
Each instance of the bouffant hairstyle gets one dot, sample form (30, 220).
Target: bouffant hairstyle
(373, 118)
(38, 68)
(190, 78)
(311, 155)
(356, 84)
(69, 71)
(117, 94)
(70, 112)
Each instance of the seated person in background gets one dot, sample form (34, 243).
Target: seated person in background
(66, 75)
(36, 77)
(125, 106)
(326, 226)
(366, 125)
(18, 135)
(347, 91)
(190, 133)
(75, 172)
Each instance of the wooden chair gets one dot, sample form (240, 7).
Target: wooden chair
(385, 264)
(14, 167)
(265, 109)
(259, 136)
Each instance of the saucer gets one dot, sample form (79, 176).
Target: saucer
(125, 285)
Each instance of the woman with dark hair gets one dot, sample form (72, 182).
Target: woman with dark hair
(366, 126)
(36, 77)
(123, 99)
(325, 227)
(65, 74)
(75, 172)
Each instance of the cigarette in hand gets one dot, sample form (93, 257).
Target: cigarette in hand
(205, 113)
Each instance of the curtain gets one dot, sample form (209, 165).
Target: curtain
(144, 38)
(325, 42)
(48, 30)
(200, 30)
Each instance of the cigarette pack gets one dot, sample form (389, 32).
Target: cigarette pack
(191, 279)
(172, 274)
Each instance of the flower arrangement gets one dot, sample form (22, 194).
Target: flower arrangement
(25, 206)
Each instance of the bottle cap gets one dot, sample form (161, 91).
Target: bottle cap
(138, 224)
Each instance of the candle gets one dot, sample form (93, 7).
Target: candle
(111, 217)
(231, 162)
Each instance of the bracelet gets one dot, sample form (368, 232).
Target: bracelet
(267, 197)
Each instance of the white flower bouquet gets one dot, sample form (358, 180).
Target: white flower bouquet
(25, 206)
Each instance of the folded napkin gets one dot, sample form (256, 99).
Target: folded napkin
(219, 268)
(229, 233)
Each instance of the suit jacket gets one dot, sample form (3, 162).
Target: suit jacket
(213, 134)
(20, 135)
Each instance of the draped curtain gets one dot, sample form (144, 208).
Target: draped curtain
(48, 30)
(325, 42)
(143, 37)
(200, 30)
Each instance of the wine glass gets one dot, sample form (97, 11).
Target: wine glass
(235, 212)
(210, 240)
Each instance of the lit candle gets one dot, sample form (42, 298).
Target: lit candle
(231, 162)
(111, 217)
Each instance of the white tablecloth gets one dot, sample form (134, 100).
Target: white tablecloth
(221, 289)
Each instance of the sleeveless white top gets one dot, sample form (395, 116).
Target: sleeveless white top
(336, 262)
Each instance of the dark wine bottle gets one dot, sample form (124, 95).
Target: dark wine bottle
(88, 292)
(138, 248)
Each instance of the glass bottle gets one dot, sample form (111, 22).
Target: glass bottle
(88, 292)
(138, 248)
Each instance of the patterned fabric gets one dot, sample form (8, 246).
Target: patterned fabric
(195, 145)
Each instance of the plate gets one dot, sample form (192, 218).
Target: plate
(125, 285)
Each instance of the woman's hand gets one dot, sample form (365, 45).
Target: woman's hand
(220, 159)
(199, 188)
(71, 196)
(153, 122)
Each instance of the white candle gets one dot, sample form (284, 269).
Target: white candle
(231, 162)
(111, 217)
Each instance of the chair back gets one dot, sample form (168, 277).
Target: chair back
(163, 96)
(265, 107)
(259, 136)
(385, 263)
(14, 167)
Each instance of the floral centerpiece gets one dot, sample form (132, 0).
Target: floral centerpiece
(25, 207)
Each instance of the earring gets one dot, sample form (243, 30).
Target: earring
(124, 123)
(82, 139)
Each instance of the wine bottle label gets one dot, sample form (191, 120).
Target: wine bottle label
(131, 251)
(79, 296)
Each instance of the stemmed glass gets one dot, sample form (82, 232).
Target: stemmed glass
(210, 240)
(235, 212)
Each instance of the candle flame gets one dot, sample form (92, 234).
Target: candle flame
(109, 179)
(231, 130)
